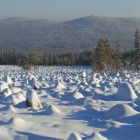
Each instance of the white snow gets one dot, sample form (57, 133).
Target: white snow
(74, 136)
(68, 103)
(125, 92)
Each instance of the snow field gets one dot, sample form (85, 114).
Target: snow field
(69, 103)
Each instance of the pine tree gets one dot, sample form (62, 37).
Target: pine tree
(137, 51)
(99, 60)
(25, 62)
(108, 55)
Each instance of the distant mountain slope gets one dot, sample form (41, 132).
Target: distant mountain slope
(82, 33)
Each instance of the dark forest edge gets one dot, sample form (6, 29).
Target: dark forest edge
(72, 58)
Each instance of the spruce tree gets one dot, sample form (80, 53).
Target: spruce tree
(108, 55)
(137, 51)
(99, 60)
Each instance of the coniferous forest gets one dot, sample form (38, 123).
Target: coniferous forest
(103, 58)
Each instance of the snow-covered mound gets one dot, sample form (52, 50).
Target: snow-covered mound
(6, 92)
(120, 110)
(51, 109)
(83, 74)
(74, 136)
(96, 136)
(3, 86)
(15, 98)
(15, 90)
(125, 92)
(8, 108)
(16, 121)
(60, 85)
(7, 79)
(77, 95)
(84, 101)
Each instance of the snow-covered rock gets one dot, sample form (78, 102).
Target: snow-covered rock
(32, 99)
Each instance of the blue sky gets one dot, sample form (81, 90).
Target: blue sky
(62, 10)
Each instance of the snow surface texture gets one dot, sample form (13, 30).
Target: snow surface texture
(68, 103)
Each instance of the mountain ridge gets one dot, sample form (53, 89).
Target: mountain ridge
(82, 33)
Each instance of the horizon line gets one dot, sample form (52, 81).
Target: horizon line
(32, 18)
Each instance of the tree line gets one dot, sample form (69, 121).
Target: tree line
(103, 58)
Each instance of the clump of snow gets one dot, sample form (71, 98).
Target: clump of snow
(84, 101)
(74, 136)
(8, 108)
(96, 136)
(15, 90)
(32, 99)
(120, 110)
(6, 92)
(15, 98)
(3, 86)
(16, 121)
(77, 95)
(125, 92)
(7, 79)
(83, 74)
(51, 109)
(60, 85)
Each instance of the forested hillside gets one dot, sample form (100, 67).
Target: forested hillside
(83, 33)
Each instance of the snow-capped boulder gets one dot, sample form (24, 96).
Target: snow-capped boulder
(32, 99)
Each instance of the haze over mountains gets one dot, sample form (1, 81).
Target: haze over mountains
(83, 33)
